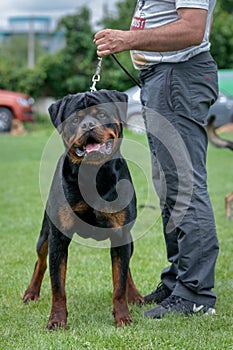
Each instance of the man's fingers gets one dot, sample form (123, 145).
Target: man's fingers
(102, 53)
(101, 34)
(105, 40)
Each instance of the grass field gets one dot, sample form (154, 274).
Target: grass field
(89, 285)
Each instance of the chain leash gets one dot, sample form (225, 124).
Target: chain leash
(96, 76)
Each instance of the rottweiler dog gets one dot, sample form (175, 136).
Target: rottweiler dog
(92, 195)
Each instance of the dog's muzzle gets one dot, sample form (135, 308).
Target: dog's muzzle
(92, 145)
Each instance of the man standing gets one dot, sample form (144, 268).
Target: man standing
(169, 44)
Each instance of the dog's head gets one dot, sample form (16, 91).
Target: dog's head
(90, 124)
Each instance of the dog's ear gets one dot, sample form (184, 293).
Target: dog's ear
(118, 99)
(121, 103)
(119, 96)
(64, 108)
(56, 111)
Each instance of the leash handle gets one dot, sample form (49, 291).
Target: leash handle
(126, 71)
(96, 76)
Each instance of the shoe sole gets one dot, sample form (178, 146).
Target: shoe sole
(209, 312)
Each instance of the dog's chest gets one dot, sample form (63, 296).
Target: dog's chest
(92, 196)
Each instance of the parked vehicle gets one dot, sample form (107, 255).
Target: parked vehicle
(14, 105)
(222, 110)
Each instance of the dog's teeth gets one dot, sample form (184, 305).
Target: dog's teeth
(79, 152)
(104, 148)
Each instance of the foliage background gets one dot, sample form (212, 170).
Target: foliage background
(70, 70)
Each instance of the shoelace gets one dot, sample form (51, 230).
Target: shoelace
(170, 301)
(160, 289)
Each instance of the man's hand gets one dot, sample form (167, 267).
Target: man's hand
(110, 41)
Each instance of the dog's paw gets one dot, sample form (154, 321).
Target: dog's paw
(54, 325)
(57, 319)
(122, 318)
(136, 299)
(30, 295)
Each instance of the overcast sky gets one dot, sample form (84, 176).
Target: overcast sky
(54, 8)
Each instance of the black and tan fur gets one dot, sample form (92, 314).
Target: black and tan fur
(84, 198)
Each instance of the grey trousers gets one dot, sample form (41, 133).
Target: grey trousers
(177, 98)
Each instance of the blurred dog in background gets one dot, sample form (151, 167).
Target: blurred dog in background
(219, 142)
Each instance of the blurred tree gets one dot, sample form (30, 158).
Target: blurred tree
(226, 5)
(9, 77)
(15, 50)
(222, 34)
(71, 69)
(65, 71)
(79, 55)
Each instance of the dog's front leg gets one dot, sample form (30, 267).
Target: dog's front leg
(120, 267)
(33, 291)
(58, 254)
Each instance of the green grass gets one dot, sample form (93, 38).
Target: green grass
(89, 285)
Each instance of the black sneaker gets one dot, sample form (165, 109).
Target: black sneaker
(158, 295)
(175, 304)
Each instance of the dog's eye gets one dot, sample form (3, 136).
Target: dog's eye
(101, 115)
(75, 120)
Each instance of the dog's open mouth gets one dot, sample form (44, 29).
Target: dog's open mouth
(92, 145)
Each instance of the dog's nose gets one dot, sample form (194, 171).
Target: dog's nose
(88, 124)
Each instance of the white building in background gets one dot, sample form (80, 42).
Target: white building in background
(40, 28)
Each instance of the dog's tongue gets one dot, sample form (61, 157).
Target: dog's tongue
(92, 147)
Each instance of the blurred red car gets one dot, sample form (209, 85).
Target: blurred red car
(14, 105)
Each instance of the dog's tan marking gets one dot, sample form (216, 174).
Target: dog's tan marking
(59, 313)
(117, 122)
(133, 296)
(120, 308)
(63, 271)
(117, 220)
(80, 207)
(94, 110)
(33, 291)
(116, 264)
(108, 134)
(81, 114)
(66, 217)
(73, 157)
